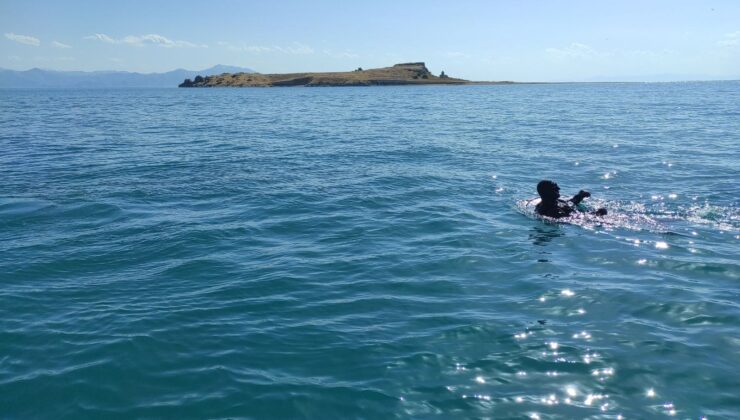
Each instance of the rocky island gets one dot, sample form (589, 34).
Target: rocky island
(399, 74)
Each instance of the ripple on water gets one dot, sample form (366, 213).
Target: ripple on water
(363, 252)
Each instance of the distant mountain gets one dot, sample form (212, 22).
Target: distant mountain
(39, 78)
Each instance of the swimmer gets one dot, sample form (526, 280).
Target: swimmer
(552, 206)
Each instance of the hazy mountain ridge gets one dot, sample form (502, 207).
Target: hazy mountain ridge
(41, 78)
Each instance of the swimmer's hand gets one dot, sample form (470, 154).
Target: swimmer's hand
(580, 196)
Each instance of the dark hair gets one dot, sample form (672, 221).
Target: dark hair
(545, 187)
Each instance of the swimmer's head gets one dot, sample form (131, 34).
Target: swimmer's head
(548, 190)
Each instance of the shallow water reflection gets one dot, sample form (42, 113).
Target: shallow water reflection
(544, 234)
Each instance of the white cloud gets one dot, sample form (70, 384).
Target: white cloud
(23, 39)
(255, 49)
(158, 40)
(295, 48)
(47, 59)
(730, 40)
(101, 37)
(58, 44)
(574, 50)
(148, 39)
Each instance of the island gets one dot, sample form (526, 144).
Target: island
(399, 74)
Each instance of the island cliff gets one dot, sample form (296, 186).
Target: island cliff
(399, 74)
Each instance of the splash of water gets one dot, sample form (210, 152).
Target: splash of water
(656, 216)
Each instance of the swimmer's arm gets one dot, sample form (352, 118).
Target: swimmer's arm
(576, 200)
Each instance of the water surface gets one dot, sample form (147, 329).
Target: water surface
(364, 252)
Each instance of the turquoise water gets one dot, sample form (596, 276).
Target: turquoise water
(366, 253)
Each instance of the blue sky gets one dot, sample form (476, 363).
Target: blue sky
(479, 40)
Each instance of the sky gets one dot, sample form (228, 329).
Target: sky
(523, 40)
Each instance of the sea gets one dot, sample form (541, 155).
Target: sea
(370, 252)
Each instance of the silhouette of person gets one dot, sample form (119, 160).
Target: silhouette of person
(552, 206)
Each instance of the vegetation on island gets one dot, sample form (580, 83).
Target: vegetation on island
(399, 74)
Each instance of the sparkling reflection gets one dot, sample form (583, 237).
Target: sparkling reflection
(590, 398)
(670, 409)
(583, 335)
(563, 347)
(550, 400)
(589, 357)
(567, 293)
(571, 391)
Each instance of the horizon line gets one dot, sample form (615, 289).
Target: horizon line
(689, 79)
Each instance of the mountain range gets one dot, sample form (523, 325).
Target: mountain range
(41, 78)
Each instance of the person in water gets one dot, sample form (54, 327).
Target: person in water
(552, 206)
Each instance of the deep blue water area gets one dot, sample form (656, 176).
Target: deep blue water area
(368, 252)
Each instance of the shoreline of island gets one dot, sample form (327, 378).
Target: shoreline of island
(397, 75)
